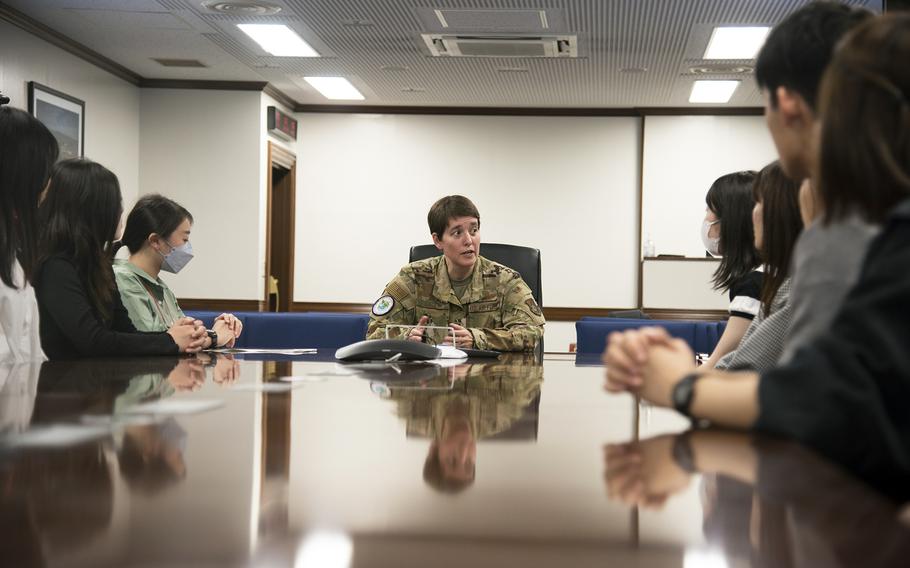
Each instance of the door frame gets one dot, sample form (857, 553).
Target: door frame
(281, 157)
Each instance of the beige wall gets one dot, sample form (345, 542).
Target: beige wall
(567, 186)
(202, 148)
(111, 104)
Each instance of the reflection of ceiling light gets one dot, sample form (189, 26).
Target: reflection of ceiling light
(712, 91)
(634, 70)
(279, 40)
(513, 70)
(737, 42)
(413, 90)
(325, 549)
(335, 88)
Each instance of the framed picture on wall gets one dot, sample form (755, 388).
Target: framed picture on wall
(63, 115)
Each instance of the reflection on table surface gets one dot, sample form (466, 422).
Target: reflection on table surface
(304, 460)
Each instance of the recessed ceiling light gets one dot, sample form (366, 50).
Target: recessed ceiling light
(335, 88)
(279, 40)
(736, 42)
(712, 91)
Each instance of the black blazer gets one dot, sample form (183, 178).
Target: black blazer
(71, 328)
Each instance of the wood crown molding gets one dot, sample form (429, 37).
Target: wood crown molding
(280, 96)
(202, 85)
(85, 53)
(531, 111)
(73, 47)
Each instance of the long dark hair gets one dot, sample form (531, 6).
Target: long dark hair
(79, 221)
(730, 198)
(781, 225)
(153, 213)
(865, 115)
(28, 151)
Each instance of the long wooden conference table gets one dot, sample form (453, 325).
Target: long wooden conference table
(301, 460)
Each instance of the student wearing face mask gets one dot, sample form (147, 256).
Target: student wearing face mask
(79, 306)
(157, 235)
(727, 232)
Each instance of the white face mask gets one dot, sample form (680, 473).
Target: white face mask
(179, 257)
(711, 245)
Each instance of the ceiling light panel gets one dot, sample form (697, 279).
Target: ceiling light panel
(736, 42)
(712, 91)
(335, 88)
(278, 40)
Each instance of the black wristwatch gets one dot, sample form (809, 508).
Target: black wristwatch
(683, 392)
(214, 337)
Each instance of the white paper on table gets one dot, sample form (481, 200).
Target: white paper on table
(268, 351)
(175, 406)
(449, 352)
(263, 387)
(317, 378)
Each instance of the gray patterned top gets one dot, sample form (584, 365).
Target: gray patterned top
(763, 342)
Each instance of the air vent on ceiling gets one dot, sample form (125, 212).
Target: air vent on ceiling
(180, 62)
(441, 45)
(242, 7)
(721, 69)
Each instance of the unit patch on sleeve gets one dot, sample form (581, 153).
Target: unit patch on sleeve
(383, 305)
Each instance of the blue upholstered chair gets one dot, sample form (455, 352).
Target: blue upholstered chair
(295, 330)
(591, 332)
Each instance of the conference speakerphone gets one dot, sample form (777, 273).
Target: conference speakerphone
(386, 349)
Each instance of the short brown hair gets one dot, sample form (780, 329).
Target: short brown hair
(448, 208)
(865, 115)
(435, 478)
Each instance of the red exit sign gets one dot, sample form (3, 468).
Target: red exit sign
(281, 124)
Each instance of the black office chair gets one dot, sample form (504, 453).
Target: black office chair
(524, 260)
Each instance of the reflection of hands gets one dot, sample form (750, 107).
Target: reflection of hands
(646, 361)
(416, 334)
(226, 370)
(187, 376)
(463, 337)
(643, 473)
(459, 371)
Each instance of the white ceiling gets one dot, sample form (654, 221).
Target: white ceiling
(377, 45)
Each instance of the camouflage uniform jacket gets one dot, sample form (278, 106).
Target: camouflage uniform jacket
(496, 396)
(498, 307)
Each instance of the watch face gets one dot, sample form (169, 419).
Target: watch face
(682, 394)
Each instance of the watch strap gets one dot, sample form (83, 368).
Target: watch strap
(683, 393)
